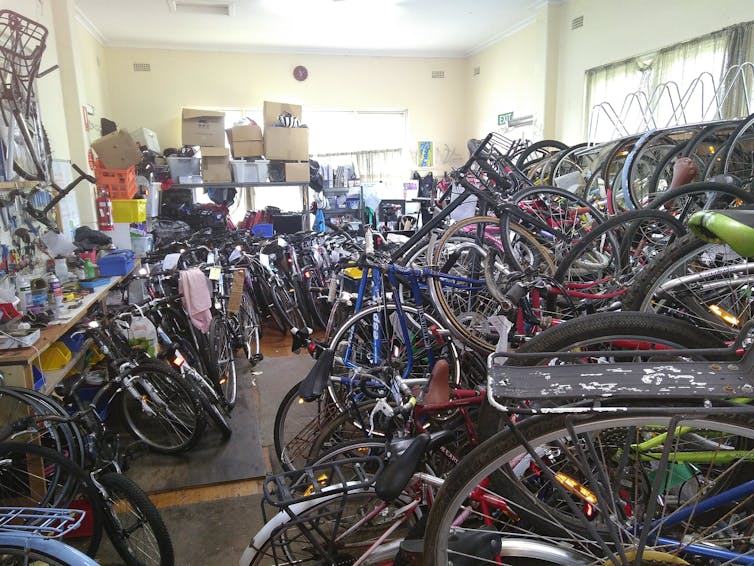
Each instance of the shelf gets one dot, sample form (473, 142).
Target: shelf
(341, 189)
(340, 210)
(6, 185)
(234, 184)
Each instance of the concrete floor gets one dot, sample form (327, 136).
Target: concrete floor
(215, 532)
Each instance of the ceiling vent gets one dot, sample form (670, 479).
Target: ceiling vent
(142, 67)
(202, 7)
(578, 22)
(477, 70)
(438, 74)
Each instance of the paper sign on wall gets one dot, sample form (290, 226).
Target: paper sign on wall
(425, 156)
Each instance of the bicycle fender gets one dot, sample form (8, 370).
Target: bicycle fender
(282, 518)
(316, 380)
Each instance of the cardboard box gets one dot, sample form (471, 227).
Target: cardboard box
(146, 138)
(271, 111)
(297, 172)
(288, 144)
(215, 165)
(117, 150)
(203, 127)
(246, 141)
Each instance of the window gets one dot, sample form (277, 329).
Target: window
(681, 84)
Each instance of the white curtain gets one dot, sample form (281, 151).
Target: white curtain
(705, 78)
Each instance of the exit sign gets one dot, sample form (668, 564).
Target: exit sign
(503, 119)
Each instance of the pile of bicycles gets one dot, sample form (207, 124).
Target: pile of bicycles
(601, 436)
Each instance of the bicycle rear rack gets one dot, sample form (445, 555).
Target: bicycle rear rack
(321, 480)
(49, 522)
(723, 374)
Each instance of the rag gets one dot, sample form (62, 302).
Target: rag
(194, 286)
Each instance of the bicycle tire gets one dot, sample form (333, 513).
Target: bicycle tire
(537, 151)
(127, 498)
(168, 433)
(285, 543)
(297, 426)
(211, 406)
(58, 483)
(37, 550)
(248, 320)
(222, 366)
(468, 314)
(716, 276)
(287, 308)
(684, 201)
(503, 459)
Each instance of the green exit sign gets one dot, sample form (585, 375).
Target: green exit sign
(503, 119)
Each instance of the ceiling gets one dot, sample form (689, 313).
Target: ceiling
(435, 28)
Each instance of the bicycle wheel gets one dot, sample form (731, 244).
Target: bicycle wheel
(246, 326)
(598, 270)
(708, 285)
(35, 476)
(559, 209)
(24, 549)
(685, 201)
(469, 308)
(538, 151)
(628, 474)
(134, 524)
(286, 308)
(161, 410)
(297, 426)
(213, 407)
(223, 361)
(373, 338)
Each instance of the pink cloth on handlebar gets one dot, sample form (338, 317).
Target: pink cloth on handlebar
(194, 287)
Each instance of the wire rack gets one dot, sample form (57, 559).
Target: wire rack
(49, 522)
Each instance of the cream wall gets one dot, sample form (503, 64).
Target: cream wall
(618, 29)
(92, 61)
(244, 80)
(49, 87)
(511, 78)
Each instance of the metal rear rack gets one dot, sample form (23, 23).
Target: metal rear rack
(49, 522)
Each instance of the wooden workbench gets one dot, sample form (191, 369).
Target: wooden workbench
(17, 363)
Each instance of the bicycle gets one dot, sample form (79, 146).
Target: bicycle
(639, 468)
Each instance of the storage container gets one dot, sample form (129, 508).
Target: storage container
(119, 183)
(117, 262)
(180, 166)
(141, 245)
(249, 171)
(134, 210)
(39, 378)
(262, 230)
(55, 357)
(74, 340)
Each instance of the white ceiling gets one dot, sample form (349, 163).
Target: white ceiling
(438, 28)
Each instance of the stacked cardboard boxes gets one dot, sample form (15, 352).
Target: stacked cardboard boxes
(206, 128)
(286, 144)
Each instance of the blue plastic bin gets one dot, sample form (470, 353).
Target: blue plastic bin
(74, 340)
(117, 262)
(262, 230)
(39, 378)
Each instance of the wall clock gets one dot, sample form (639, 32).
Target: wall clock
(300, 73)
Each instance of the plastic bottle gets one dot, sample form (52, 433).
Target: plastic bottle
(368, 240)
(61, 268)
(56, 289)
(89, 269)
(23, 290)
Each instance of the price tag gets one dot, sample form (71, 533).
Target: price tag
(214, 273)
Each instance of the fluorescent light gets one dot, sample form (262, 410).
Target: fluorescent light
(202, 7)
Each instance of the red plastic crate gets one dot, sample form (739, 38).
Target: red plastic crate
(119, 183)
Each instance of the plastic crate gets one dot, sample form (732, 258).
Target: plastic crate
(249, 171)
(130, 210)
(183, 166)
(55, 357)
(119, 183)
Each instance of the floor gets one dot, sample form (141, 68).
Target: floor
(212, 525)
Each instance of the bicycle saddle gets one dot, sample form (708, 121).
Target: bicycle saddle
(399, 470)
(734, 227)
